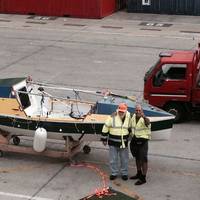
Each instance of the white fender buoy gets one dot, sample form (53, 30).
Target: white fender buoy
(40, 139)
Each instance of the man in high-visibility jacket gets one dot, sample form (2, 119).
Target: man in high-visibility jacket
(115, 132)
(141, 132)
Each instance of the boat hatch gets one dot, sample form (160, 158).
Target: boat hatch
(24, 98)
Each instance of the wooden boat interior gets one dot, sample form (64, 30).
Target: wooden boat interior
(33, 103)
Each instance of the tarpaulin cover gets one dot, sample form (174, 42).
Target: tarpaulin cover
(116, 196)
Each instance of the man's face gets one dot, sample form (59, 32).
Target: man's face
(121, 114)
(138, 111)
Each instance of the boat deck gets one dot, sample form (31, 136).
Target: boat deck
(10, 107)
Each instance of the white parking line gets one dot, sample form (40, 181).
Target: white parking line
(22, 196)
(183, 36)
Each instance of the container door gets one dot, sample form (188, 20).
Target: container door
(185, 7)
(109, 7)
(165, 6)
(133, 6)
(196, 7)
(121, 4)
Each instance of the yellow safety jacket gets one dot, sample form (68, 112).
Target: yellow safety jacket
(116, 131)
(139, 129)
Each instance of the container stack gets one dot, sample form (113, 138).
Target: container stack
(182, 7)
(70, 8)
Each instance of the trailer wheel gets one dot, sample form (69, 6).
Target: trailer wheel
(177, 110)
(1, 153)
(16, 140)
(86, 149)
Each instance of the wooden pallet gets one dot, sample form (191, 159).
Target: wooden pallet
(70, 148)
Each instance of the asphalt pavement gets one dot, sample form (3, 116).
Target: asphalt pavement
(113, 53)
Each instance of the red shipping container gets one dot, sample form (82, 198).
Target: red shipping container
(73, 8)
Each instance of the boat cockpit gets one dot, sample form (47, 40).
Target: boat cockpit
(36, 102)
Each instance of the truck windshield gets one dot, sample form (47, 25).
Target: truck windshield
(148, 73)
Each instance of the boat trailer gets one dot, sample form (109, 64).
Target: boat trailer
(10, 143)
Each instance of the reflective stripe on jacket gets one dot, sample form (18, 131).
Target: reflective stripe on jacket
(139, 129)
(117, 131)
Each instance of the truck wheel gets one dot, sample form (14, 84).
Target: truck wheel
(177, 110)
(1, 153)
(16, 140)
(86, 149)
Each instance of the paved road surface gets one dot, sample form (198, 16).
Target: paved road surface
(113, 53)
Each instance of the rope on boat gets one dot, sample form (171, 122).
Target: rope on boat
(104, 92)
(57, 87)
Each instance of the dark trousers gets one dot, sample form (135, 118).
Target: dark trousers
(139, 149)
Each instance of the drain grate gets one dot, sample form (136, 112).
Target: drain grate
(33, 22)
(113, 27)
(190, 32)
(42, 17)
(26, 26)
(5, 20)
(150, 29)
(155, 24)
(79, 25)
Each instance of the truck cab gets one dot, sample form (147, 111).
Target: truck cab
(173, 83)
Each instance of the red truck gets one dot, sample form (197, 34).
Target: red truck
(173, 83)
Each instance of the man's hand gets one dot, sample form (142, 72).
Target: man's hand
(104, 143)
(142, 114)
(146, 121)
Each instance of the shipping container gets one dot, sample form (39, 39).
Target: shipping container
(183, 7)
(120, 4)
(71, 8)
(197, 7)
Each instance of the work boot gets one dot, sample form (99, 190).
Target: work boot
(112, 177)
(137, 176)
(141, 180)
(124, 177)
